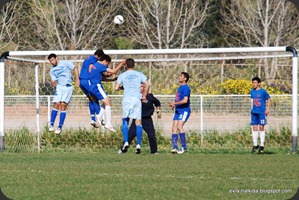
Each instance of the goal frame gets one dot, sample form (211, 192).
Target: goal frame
(289, 49)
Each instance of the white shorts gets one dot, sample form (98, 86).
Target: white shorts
(131, 108)
(63, 94)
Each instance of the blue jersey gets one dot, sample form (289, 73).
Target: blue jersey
(95, 75)
(183, 91)
(131, 81)
(62, 73)
(259, 98)
(84, 70)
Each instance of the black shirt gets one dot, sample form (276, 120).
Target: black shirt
(148, 107)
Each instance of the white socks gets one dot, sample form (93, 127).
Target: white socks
(262, 138)
(255, 137)
(108, 115)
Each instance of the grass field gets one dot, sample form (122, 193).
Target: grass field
(108, 175)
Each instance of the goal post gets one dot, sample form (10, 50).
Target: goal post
(163, 56)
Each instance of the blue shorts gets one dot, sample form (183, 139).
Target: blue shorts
(98, 91)
(258, 119)
(84, 85)
(181, 115)
(63, 94)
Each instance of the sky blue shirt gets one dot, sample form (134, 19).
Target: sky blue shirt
(95, 75)
(84, 70)
(183, 91)
(131, 81)
(62, 73)
(259, 98)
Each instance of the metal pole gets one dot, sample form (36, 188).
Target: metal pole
(201, 119)
(2, 87)
(37, 107)
(295, 106)
(294, 99)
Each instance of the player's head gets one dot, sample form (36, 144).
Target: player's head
(142, 86)
(105, 59)
(256, 82)
(99, 53)
(185, 76)
(53, 59)
(130, 63)
(256, 79)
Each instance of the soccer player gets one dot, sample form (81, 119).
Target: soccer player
(131, 104)
(181, 105)
(259, 113)
(94, 107)
(61, 79)
(96, 71)
(146, 121)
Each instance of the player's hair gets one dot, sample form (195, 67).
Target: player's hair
(256, 79)
(186, 75)
(105, 57)
(130, 63)
(99, 53)
(52, 55)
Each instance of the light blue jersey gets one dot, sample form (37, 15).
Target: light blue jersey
(131, 104)
(131, 81)
(62, 73)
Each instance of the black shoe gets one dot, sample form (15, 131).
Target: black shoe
(261, 150)
(124, 148)
(254, 148)
(156, 152)
(138, 149)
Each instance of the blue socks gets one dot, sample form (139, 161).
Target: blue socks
(125, 129)
(62, 118)
(183, 140)
(139, 134)
(91, 111)
(53, 116)
(175, 140)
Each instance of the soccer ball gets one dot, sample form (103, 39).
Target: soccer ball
(118, 19)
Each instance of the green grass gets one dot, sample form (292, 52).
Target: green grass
(108, 175)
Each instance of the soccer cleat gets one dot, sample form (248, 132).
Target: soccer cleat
(51, 128)
(110, 128)
(94, 124)
(254, 148)
(138, 149)
(101, 122)
(174, 151)
(182, 150)
(157, 152)
(261, 150)
(124, 148)
(58, 130)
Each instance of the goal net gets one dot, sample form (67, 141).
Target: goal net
(220, 80)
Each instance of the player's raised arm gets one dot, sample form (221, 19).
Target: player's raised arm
(113, 71)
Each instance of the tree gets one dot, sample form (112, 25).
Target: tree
(157, 24)
(8, 28)
(260, 23)
(66, 25)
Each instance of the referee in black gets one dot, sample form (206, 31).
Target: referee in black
(147, 122)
